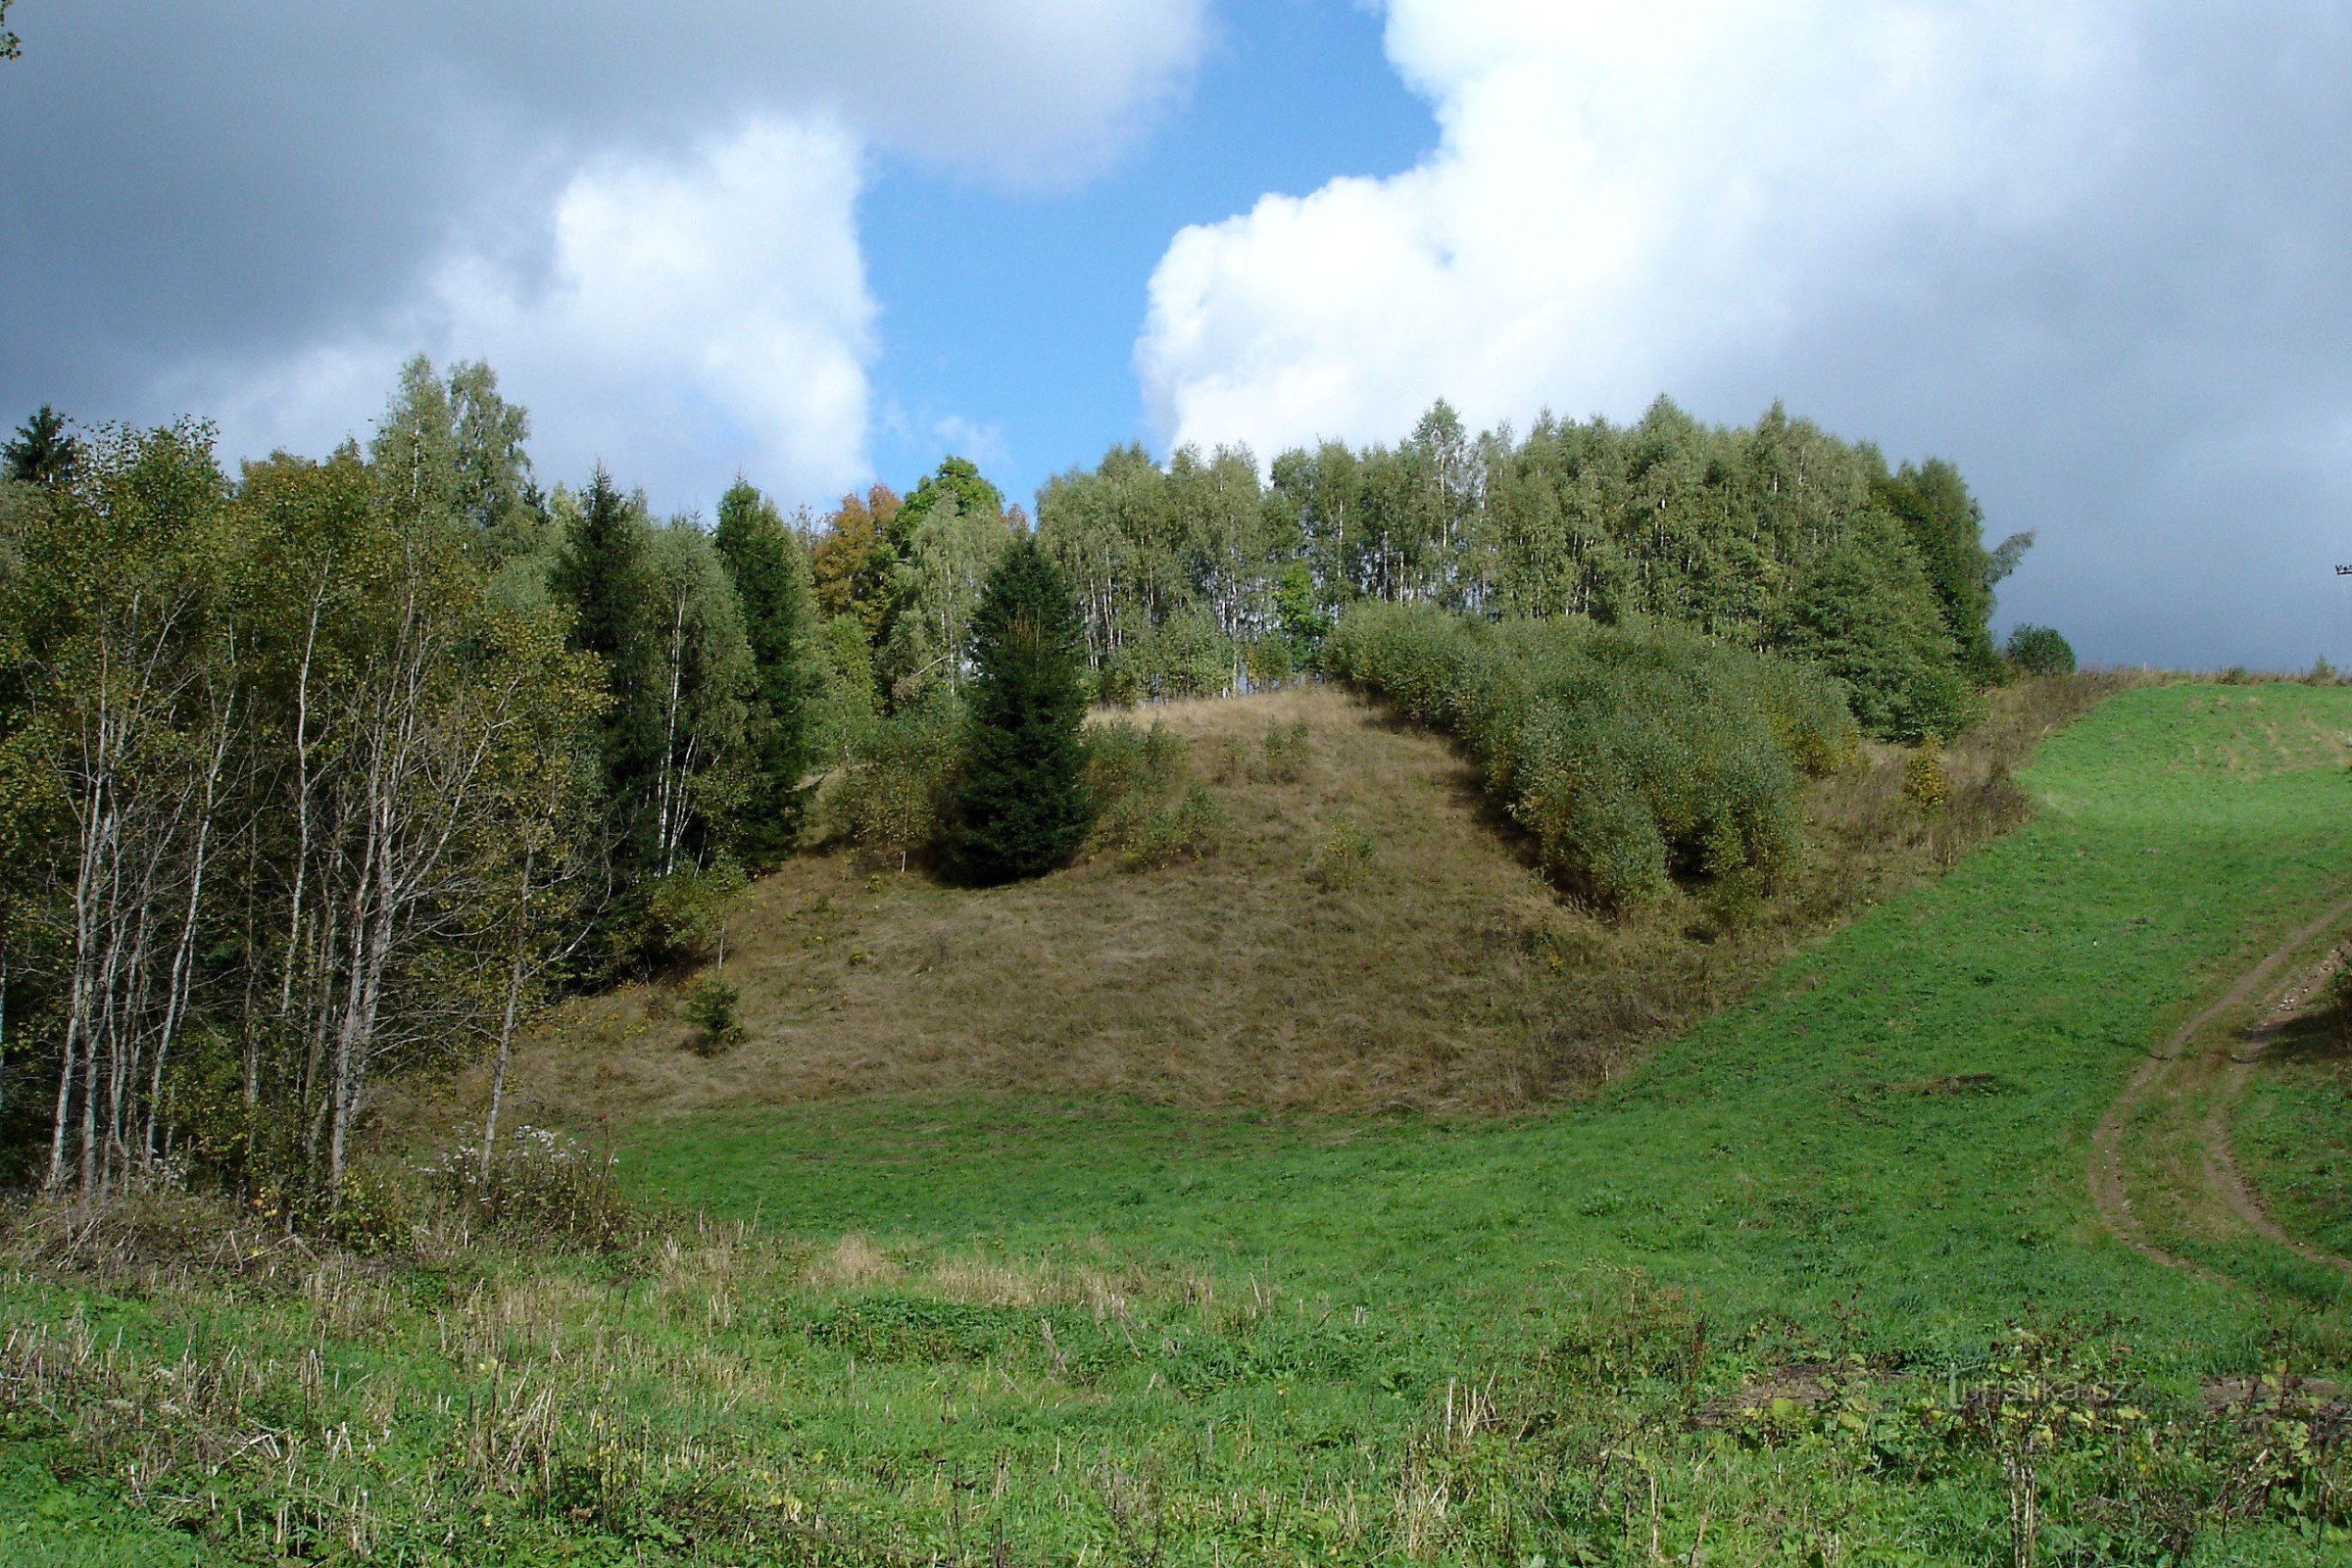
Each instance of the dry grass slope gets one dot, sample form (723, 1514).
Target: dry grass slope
(1447, 978)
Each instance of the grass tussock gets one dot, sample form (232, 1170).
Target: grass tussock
(1351, 927)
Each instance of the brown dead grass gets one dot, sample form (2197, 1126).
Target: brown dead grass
(1449, 979)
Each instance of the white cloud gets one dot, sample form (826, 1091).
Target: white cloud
(645, 220)
(1624, 192)
(709, 302)
(2089, 249)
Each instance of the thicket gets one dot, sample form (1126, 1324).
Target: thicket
(1631, 753)
(330, 771)
(2040, 650)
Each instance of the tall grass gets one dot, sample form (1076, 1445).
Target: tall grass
(1634, 755)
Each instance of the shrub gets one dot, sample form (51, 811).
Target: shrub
(1343, 858)
(1285, 753)
(897, 790)
(1188, 829)
(1926, 782)
(693, 908)
(1135, 777)
(710, 1008)
(2040, 650)
(1631, 753)
(539, 1183)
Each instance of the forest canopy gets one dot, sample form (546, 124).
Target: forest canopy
(333, 770)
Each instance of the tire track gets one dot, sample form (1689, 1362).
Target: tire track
(2109, 1193)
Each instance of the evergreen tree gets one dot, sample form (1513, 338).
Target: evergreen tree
(1024, 806)
(771, 577)
(604, 575)
(43, 452)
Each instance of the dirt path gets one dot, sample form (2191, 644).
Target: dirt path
(2220, 1166)
(2108, 1190)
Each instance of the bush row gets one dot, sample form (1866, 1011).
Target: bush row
(1633, 753)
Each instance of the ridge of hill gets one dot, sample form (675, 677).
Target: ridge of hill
(1445, 975)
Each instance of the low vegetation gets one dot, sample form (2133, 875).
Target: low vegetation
(1629, 755)
(1294, 901)
(1821, 1282)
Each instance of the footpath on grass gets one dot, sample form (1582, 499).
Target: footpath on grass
(1893, 1133)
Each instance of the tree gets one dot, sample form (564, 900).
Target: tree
(2040, 650)
(11, 48)
(938, 584)
(604, 577)
(1946, 526)
(1870, 617)
(703, 676)
(43, 452)
(1024, 806)
(771, 578)
(851, 556)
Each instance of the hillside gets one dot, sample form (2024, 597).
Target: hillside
(1445, 976)
(1821, 1279)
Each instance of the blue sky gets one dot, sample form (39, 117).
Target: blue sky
(1017, 312)
(2094, 251)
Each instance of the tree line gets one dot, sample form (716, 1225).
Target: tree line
(334, 768)
(331, 769)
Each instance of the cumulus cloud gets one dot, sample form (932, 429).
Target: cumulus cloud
(2075, 244)
(645, 219)
(713, 301)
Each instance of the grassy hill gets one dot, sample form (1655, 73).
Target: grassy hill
(1444, 975)
(1820, 1279)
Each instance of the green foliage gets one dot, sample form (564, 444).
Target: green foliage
(42, 452)
(1343, 858)
(693, 909)
(790, 669)
(938, 584)
(2040, 650)
(1147, 809)
(541, 1189)
(1200, 579)
(847, 701)
(604, 576)
(1023, 806)
(710, 1006)
(1869, 616)
(1946, 530)
(1283, 754)
(1630, 754)
(899, 788)
(1926, 783)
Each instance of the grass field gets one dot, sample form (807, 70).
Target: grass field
(1820, 1282)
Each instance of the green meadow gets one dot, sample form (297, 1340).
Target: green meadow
(1822, 1281)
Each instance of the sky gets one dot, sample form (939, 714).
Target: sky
(2097, 253)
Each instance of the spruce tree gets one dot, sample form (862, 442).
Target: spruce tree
(43, 452)
(604, 575)
(773, 579)
(1024, 806)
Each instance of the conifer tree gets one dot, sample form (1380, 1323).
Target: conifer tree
(773, 579)
(42, 452)
(604, 575)
(1024, 806)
